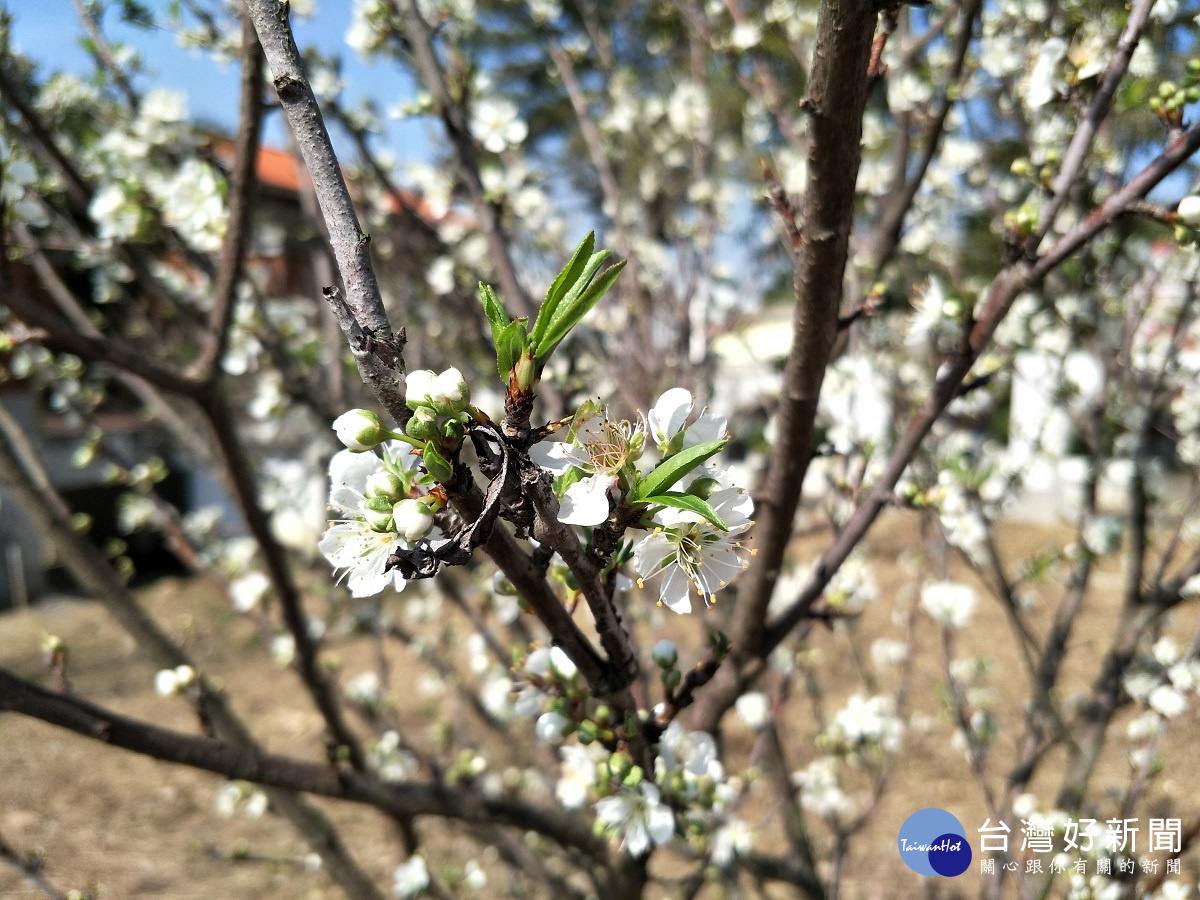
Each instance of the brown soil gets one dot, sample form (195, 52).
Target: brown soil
(121, 825)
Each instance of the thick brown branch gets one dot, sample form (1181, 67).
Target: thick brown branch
(252, 764)
(837, 96)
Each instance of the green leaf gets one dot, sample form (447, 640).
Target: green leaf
(566, 479)
(574, 311)
(566, 279)
(494, 311)
(671, 469)
(510, 344)
(691, 503)
(591, 267)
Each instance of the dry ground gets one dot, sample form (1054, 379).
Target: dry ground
(126, 826)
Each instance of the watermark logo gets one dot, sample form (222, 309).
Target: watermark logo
(933, 842)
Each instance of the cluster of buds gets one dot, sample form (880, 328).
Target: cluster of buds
(1168, 104)
(440, 405)
(389, 504)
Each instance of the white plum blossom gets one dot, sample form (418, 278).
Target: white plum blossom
(670, 412)
(1102, 534)
(886, 652)
(193, 203)
(866, 720)
(754, 709)
(1139, 685)
(440, 275)
(18, 183)
(391, 761)
(1041, 86)
(688, 110)
(473, 876)
(351, 543)
(638, 816)
(692, 752)
(694, 554)
(249, 590)
(733, 839)
(410, 877)
(948, 603)
(118, 216)
(598, 447)
(364, 688)
(495, 123)
(577, 775)
(820, 789)
(586, 502)
(1166, 701)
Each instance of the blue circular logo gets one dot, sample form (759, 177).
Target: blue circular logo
(933, 842)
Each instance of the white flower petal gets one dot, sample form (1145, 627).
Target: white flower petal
(706, 429)
(669, 413)
(558, 456)
(586, 501)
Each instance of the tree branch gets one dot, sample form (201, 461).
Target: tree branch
(383, 371)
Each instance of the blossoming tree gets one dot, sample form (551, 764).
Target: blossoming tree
(938, 193)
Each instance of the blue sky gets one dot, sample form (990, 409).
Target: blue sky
(48, 32)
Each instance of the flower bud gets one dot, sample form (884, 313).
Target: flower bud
(360, 430)
(377, 511)
(552, 727)
(452, 394)
(1189, 210)
(385, 484)
(665, 654)
(453, 432)
(619, 764)
(413, 519)
(435, 464)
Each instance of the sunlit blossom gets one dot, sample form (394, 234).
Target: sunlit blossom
(692, 554)
(638, 816)
(351, 544)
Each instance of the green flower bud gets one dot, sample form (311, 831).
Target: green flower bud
(619, 764)
(665, 654)
(377, 511)
(453, 432)
(435, 464)
(385, 484)
(360, 430)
